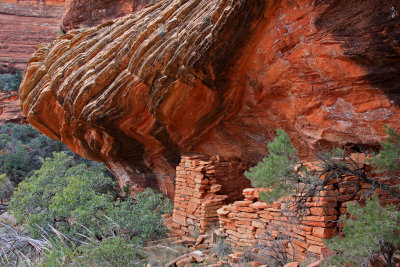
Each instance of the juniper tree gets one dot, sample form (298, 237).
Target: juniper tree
(369, 231)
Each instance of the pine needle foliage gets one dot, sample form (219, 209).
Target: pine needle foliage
(388, 159)
(276, 171)
(369, 232)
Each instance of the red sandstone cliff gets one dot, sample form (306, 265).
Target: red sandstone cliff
(93, 12)
(10, 109)
(23, 25)
(217, 77)
(26, 24)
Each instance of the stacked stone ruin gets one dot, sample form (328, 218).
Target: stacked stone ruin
(253, 223)
(204, 185)
(247, 222)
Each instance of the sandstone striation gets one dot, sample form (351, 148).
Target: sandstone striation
(218, 77)
(24, 25)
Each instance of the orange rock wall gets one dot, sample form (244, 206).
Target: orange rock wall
(253, 223)
(202, 187)
(23, 25)
(327, 72)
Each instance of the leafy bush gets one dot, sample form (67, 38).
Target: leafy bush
(140, 218)
(113, 251)
(77, 200)
(72, 199)
(59, 254)
(369, 232)
(10, 82)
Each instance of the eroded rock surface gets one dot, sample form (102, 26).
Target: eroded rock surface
(24, 25)
(218, 77)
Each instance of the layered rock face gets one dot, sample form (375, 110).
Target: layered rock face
(93, 12)
(218, 77)
(23, 25)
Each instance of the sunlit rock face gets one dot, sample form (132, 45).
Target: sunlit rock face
(23, 25)
(218, 77)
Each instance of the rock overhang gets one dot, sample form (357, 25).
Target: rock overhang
(210, 77)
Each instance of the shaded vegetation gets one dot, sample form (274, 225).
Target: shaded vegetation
(69, 198)
(10, 82)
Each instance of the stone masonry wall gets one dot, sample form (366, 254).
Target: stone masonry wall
(253, 223)
(204, 185)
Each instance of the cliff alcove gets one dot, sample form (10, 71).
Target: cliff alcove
(217, 77)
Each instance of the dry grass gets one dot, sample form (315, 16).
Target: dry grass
(17, 249)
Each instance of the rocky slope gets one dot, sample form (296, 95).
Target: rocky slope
(217, 77)
(23, 25)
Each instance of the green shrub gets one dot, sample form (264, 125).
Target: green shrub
(113, 251)
(369, 232)
(77, 200)
(140, 218)
(57, 254)
(10, 82)
(16, 163)
(388, 158)
(72, 199)
(276, 171)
